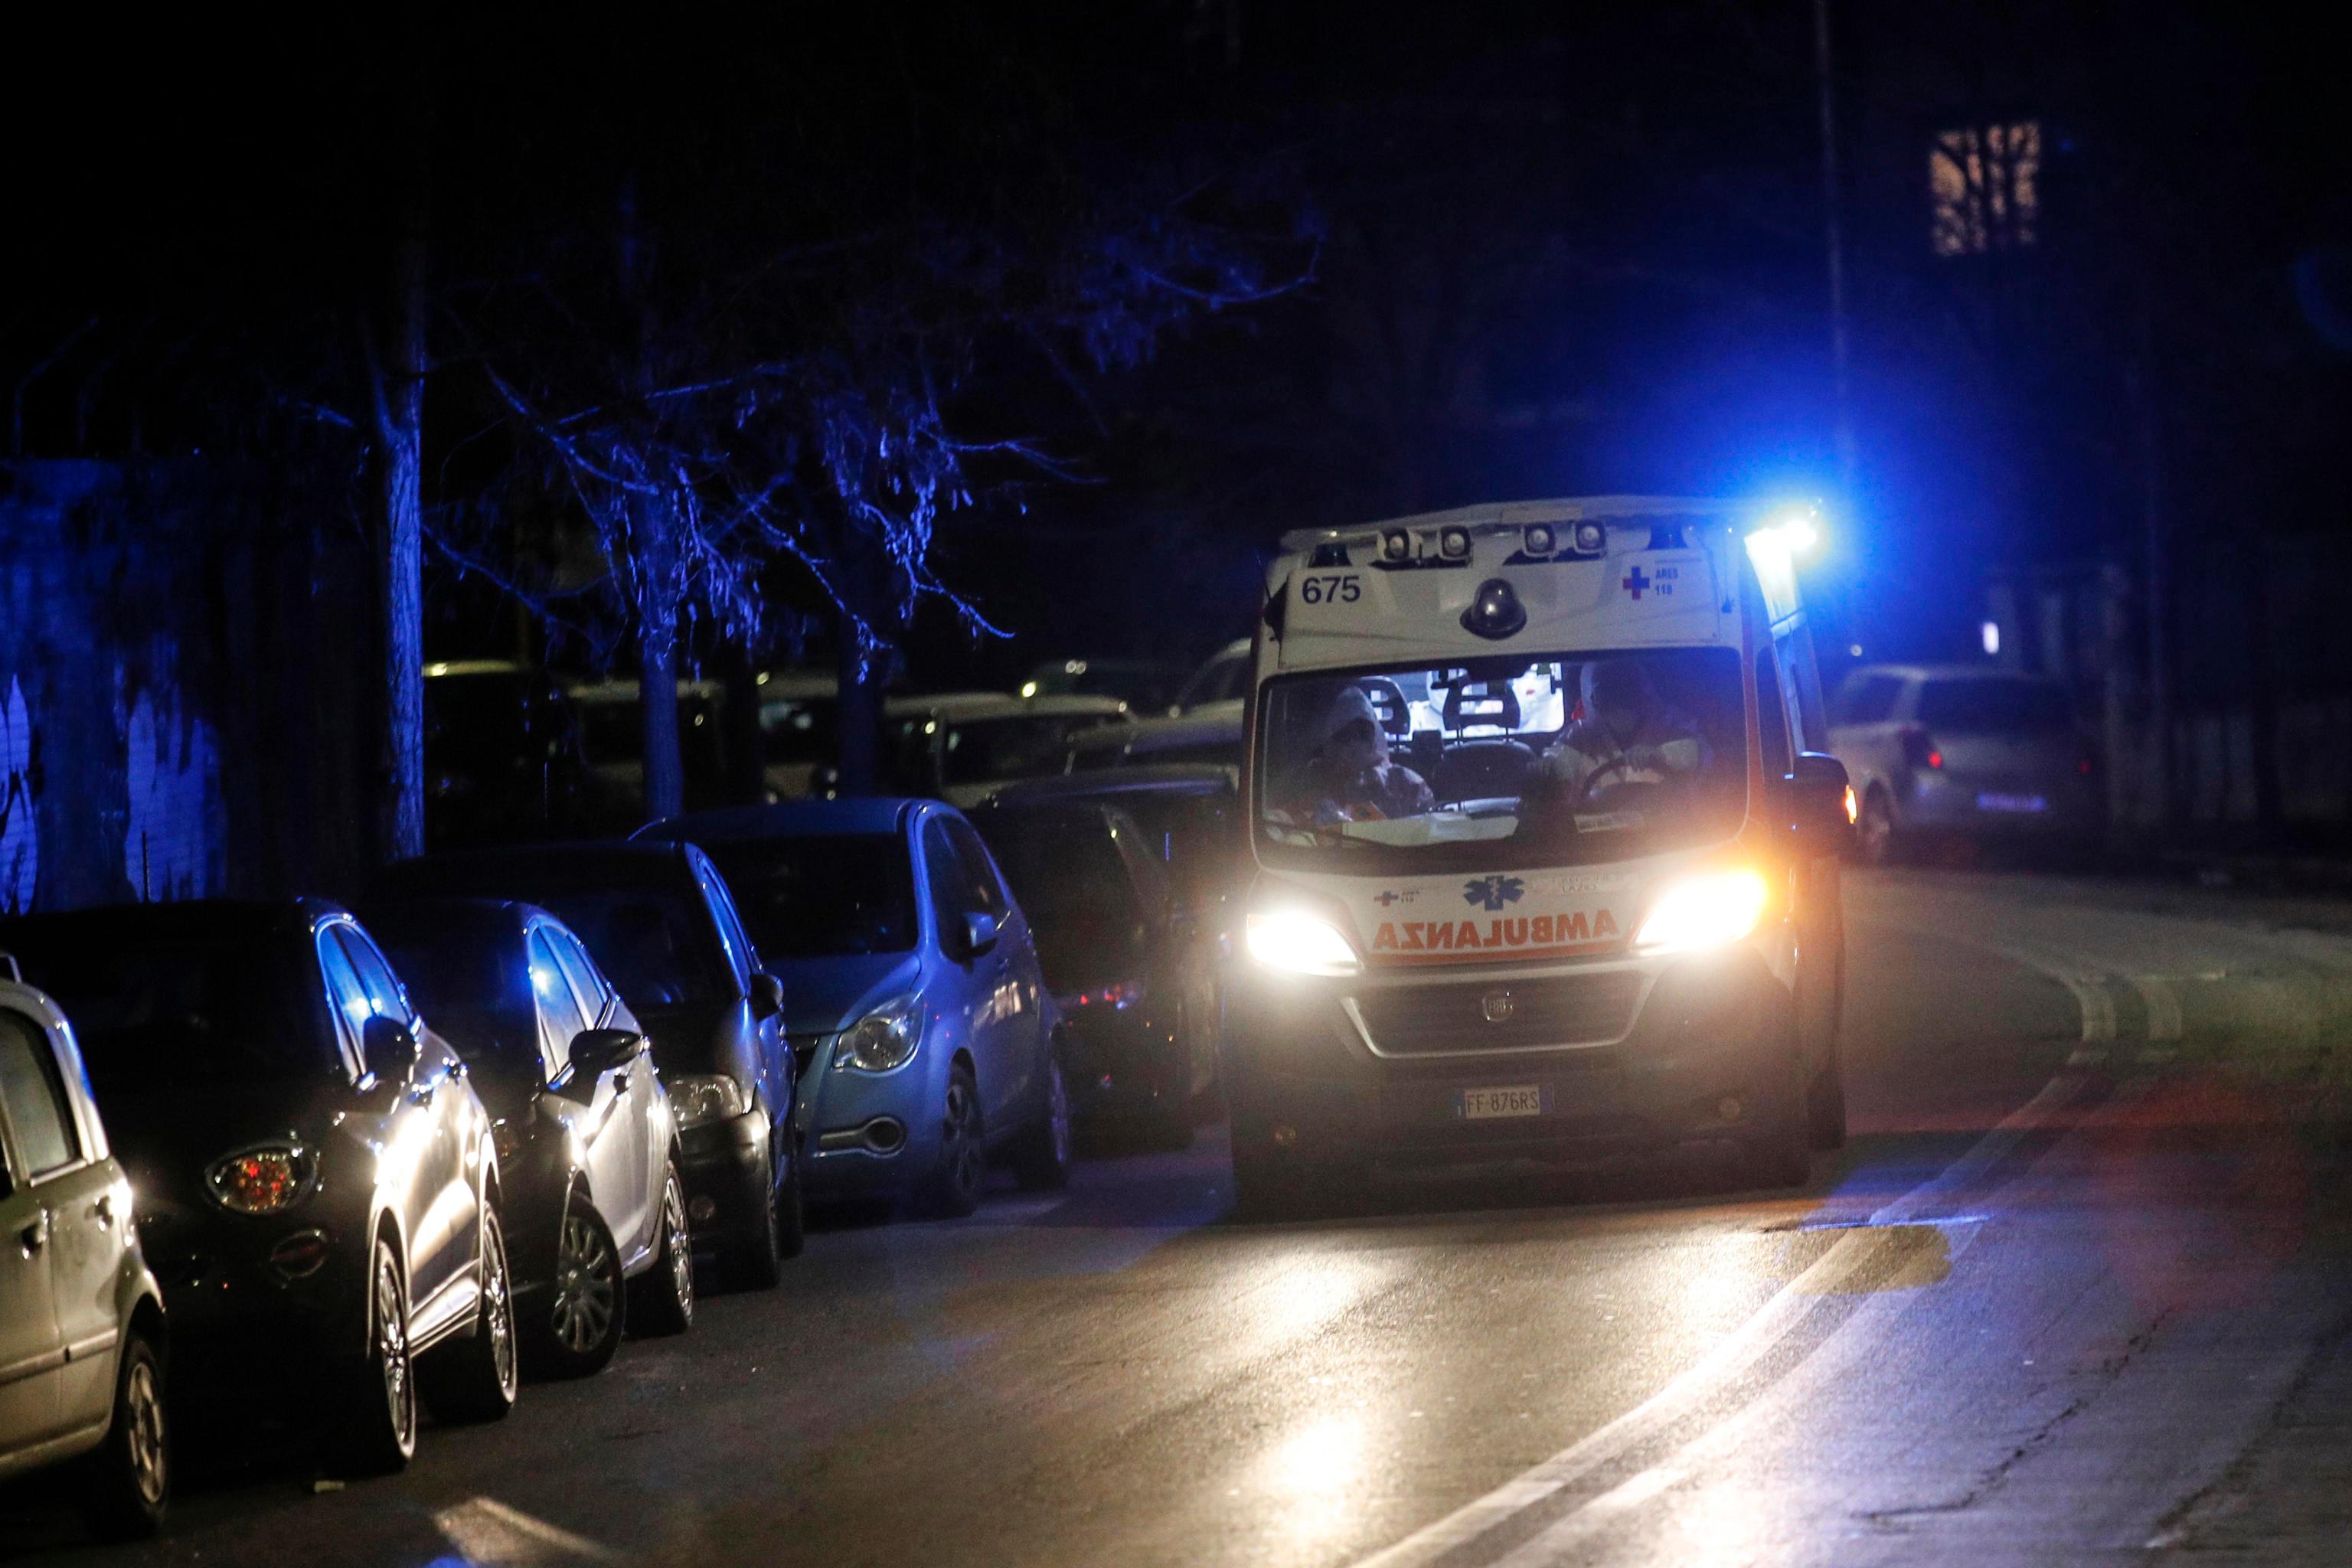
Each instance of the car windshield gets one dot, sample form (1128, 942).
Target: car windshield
(1021, 746)
(1993, 706)
(190, 1013)
(822, 897)
(1574, 757)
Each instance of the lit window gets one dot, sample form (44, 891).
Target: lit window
(1984, 182)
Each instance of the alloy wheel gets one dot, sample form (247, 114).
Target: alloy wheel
(681, 1248)
(391, 1348)
(499, 1298)
(587, 1285)
(966, 1159)
(144, 1404)
(1058, 1112)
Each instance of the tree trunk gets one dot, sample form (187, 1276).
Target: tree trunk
(861, 715)
(401, 415)
(658, 701)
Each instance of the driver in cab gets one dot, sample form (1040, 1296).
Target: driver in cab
(1627, 736)
(1350, 778)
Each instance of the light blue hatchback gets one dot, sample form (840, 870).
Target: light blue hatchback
(924, 1034)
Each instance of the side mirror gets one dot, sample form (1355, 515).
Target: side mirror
(595, 1052)
(1819, 794)
(387, 1047)
(767, 995)
(979, 934)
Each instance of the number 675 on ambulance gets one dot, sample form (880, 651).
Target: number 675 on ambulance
(1540, 861)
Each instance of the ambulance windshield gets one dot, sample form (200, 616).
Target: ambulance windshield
(1573, 758)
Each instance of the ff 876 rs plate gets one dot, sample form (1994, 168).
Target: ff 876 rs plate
(1487, 1102)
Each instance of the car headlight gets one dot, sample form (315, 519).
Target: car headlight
(715, 1098)
(1707, 909)
(883, 1040)
(269, 1178)
(1300, 943)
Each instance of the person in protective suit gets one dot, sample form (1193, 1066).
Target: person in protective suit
(1627, 736)
(1350, 778)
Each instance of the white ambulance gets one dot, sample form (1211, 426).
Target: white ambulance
(1543, 862)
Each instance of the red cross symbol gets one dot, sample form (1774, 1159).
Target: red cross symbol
(1634, 583)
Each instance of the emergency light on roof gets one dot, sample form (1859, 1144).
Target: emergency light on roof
(1539, 539)
(1453, 543)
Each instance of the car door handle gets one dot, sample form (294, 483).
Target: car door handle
(104, 1210)
(36, 1235)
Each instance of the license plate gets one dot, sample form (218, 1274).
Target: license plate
(1517, 1100)
(2011, 803)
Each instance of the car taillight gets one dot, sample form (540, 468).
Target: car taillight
(267, 1179)
(1920, 751)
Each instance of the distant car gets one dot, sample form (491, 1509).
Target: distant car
(800, 734)
(920, 1021)
(961, 747)
(1212, 735)
(1146, 685)
(1961, 752)
(1222, 681)
(658, 919)
(595, 1211)
(1119, 948)
(83, 1344)
(318, 1189)
(502, 757)
(612, 733)
(1190, 815)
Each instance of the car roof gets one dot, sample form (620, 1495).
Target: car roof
(629, 690)
(784, 819)
(1210, 721)
(777, 684)
(623, 863)
(1110, 784)
(452, 913)
(1949, 672)
(968, 705)
(443, 669)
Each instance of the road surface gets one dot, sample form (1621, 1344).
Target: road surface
(2077, 1290)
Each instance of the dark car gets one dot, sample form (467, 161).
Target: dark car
(915, 1005)
(502, 757)
(318, 1188)
(658, 919)
(1145, 684)
(595, 1211)
(1120, 953)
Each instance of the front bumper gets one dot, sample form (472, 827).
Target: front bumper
(727, 1171)
(871, 1134)
(1693, 1046)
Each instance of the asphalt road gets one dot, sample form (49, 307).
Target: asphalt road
(2077, 1290)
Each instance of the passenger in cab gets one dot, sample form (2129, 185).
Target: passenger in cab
(1627, 735)
(1349, 777)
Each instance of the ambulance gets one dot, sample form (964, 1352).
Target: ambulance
(1543, 856)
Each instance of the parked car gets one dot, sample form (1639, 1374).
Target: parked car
(1120, 951)
(596, 1229)
(1146, 685)
(83, 1345)
(962, 746)
(319, 1190)
(1212, 735)
(800, 733)
(1221, 683)
(612, 733)
(502, 757)
(1964, 751)
(921, 1023)
(658, 919)
(1190, 816)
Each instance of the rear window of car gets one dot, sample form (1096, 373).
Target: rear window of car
(823, 897)
(1993, 707)
(471, 986)
(188, 1014)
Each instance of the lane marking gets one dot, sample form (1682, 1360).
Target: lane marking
(2163, 1004)
(494, 1534)
(1816, 1289)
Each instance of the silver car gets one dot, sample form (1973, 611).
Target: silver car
(81, 1320)
(1964, 753)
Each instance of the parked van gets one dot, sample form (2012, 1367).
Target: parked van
(1541, 859)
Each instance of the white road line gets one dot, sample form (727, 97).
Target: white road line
(2163, 1004)
(1701, 1384)
(496, 1535)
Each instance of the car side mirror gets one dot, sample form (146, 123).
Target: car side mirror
(388, 1048)
(595, 1052)
(1819, 796)
(979, 934)
(767, 995)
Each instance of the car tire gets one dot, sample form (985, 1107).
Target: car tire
(757, 1261)
(1825, 1104)
(1779, 1149)
(379, 1417)
(127, 1484)
(476, 1378)
(961, 1175)
(1042, 1162)
(792, 1206)
(661, 1299)
(579, 1329)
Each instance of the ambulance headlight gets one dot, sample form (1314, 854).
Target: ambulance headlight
(1541, 539)
(1592, 538)
(1708, 910)
(1495, 611)
(1300, 943)
(1454, 543)
(1396, 544)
